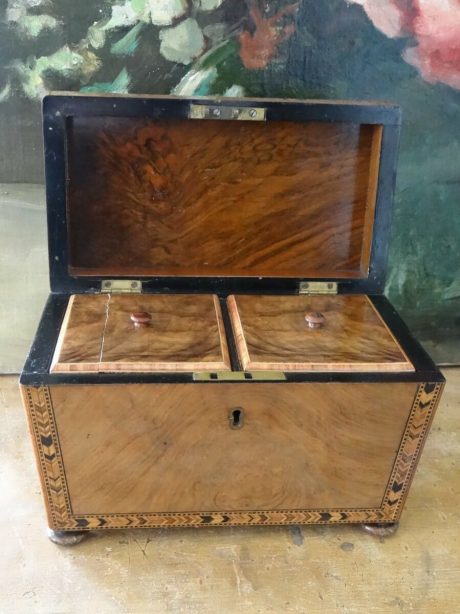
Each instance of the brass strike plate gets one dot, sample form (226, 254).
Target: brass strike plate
(204, 111)
(239, 376)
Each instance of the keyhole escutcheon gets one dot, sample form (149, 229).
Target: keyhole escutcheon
(236, 417)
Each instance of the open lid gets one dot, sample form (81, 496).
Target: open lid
(210, 194)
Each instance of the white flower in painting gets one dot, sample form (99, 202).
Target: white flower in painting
(164, 12)
(29, 25)
(79, 65)
(16, 7)
(191, 83)
(183, 43)
(122, 15)
(234, 91)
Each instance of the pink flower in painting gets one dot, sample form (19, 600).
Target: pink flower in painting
(434, 24)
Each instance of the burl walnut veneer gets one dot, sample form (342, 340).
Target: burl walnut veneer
(216, 349)
(276, 332)
(221, 198)
(108, 333)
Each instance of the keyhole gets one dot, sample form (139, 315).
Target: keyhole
(236, 418)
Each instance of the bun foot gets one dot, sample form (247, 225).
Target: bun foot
(66, 538)
(381, 529)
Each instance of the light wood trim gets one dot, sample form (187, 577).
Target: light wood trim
(371, 199)
(336, 367)
(62, 333)
(145, 367)
(390, 332)
(238, 332)
(108, 271)
(226, 363)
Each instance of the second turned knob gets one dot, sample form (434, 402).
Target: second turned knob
(314, 319)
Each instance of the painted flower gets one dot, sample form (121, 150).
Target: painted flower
(435, 27)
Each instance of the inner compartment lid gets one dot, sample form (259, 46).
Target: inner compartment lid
(144, 333)
(273, 332)
(151, 193)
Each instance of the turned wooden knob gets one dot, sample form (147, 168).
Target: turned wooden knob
(140, 318)
(314, 319)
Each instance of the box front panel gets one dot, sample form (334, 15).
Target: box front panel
(182, 448)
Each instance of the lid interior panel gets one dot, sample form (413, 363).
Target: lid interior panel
(176, 197)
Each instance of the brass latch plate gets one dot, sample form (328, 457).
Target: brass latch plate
(121, 286)
(204, 111)
(239, 376)
(318, 287)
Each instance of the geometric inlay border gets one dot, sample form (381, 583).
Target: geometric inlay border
(42, 423)
(418, 424)
(48, 454)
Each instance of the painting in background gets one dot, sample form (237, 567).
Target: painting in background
(407, 51)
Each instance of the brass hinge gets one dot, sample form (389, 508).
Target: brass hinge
(121, 286)
(318, 287)
(239, 376)
(205, 111)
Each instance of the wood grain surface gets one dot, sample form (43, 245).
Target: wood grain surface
(169, 447)
(186, 333)
(180, 197)
(271, 333)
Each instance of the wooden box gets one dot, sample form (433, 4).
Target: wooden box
(216, 348)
